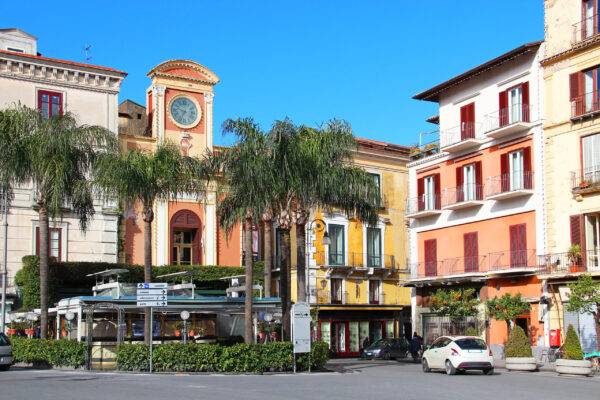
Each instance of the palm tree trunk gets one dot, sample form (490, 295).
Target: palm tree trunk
(148, 218)
(301, 261)
(268, 258)
(284, 283)
(43, 246)
(596, 315)
(248, 320)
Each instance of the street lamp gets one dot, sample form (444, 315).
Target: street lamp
(69, 316)
(185, 315)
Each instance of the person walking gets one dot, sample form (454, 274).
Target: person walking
(416, 345)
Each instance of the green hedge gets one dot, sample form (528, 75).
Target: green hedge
(53, 353)
(240, 358)
(518, 344)
(72, 275)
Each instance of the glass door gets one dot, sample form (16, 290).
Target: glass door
(469, 182)
(592, 236)
(354, 337)
(429, 193)
(516, 170)
(515, 101)
(374, 248)
(337, 246)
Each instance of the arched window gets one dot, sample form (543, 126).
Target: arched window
(185, 238)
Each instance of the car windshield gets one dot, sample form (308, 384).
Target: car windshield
(471, 344)
(379, 343)
(3, 340)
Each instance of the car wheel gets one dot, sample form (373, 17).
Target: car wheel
(4, 367)
(386, 356)
(425, 366)
(450, 370)
(488, 371)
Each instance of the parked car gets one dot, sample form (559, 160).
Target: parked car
(387, 349)
(458, 354)
(6, 356)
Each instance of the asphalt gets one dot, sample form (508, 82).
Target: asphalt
(349, 379)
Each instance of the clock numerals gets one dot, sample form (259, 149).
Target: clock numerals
(184, 111)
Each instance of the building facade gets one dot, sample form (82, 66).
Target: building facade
(475, 202)
(179, 109)
(353, 282)
(571, 65)
(54, 87)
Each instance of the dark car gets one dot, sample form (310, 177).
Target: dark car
(387, 349)
(6, 358)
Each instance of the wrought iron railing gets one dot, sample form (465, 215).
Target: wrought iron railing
(426, 149)
(424, 202)
(467, 192)
(507, 116)
(357, 260)
(588, 103)
(560, 263)
(510, 182)
(465, 131)
(511, 259)
(586, 179)
(585, 29)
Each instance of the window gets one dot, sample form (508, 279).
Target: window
(139, 116)
(592, 241)
(584, 89)
(471, 344)
(467, 121)
(374, 248)
(15, 50)
(50, 104)
(54, 242)
(337, 246)
(428, 189)
(377, 179)
(589, 25)
(514, 104)
(429, 194)
(590, 147)
(374, 286)
(516, 170)
(515, 162)
(468, 182)
(336, 291)
(183, 247)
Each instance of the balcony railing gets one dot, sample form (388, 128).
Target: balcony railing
(425, 204)
(563, 263)
(510, 184)
(427, 149)
(508, 120)
(585, 105)
(512, 259)
(355, 260)
(586, 180)
(585, 29)
(462, 194)
(465, 135)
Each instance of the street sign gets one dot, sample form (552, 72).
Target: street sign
(301, 327)
(160, 285)
(152, 303)
(152, 295)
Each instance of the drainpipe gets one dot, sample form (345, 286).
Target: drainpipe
(4, 262)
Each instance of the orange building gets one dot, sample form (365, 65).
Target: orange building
(476, 195)
(179, 109)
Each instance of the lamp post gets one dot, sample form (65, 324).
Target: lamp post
(4, 259)
(69, 316)
(185, 315)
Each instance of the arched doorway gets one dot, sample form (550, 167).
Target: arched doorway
(185, 232)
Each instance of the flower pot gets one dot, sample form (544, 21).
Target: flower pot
(31, 332)
(575, 268)
(574, 367)
(63, 334)
(521, 364)
(192, 333)
(11, 331)
(177, 333)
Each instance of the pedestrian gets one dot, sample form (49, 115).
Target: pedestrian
(366, 343)
(416, 344)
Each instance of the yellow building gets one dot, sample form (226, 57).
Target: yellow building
(353, 283)
(571, 67)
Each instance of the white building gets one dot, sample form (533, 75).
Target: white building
(56, 86)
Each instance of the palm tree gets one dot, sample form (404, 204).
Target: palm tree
(144, 177)
(247, 177)
(56, 154)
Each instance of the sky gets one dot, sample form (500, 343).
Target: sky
(308, 60)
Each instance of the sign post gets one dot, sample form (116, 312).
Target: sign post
(301, 330)
(152, 295)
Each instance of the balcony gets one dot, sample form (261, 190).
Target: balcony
(463, 137)
(355, 260)
(586, 180)
(425, 150)
(511, 185)
(512, 260)
(585, 106)
(508, 121)
(585, 31)
(423, 206)
(466, 196)
(560, 264)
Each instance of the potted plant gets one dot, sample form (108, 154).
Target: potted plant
(518, 352)
(13, 328)
(178, 327)
(574, 256)
(572, 361)
(584, 184)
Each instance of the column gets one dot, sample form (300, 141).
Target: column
(161, 234)
(208, 119)
(210, 230)
(158, 98)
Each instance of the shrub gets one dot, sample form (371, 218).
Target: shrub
(239, 358)
(571, 348)
(471, 331)
(53, 353)
(518, 344)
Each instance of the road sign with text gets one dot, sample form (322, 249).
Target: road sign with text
(152, 294)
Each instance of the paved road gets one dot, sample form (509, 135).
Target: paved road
(362, 380)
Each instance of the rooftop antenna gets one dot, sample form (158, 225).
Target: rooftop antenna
(87, 49)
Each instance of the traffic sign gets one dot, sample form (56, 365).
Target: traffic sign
(301, 327)
(151, 298)
(159, 285)
(152, 292)
(152, 304)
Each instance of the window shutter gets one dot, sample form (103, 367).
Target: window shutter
(504, 178)
(463, 122)
(420, 193)
(525, 99)
(436, 181)
(575, 222)
(478, 181)
(574, 86)
(459, 184)
(503, 108)
(576, 93)
(528, 176)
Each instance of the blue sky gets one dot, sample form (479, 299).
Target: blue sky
(308, 60)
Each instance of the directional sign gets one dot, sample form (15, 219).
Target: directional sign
(160, 285)
(151, 298)
(152, 304)
(152, 292)
(301, 327)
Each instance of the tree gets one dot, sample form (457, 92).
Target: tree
(518, 344)
(454, 303)
(144, 177)
(247, 181)
(585, 298)
(507, 308)
(571, 348)
(56, 155)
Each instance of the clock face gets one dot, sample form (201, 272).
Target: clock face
(184, 112)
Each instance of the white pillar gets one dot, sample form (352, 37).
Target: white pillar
(208, 119)
(210, 231)
(79, 322)
(57, 325)
(158, 98)
(161, 234)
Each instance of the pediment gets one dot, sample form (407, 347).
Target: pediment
(184, 69)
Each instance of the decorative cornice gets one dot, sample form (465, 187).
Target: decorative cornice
(161, 71)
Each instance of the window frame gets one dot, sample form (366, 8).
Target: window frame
(50, 94)
(59, 240)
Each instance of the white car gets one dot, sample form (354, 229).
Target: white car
(458, 354)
